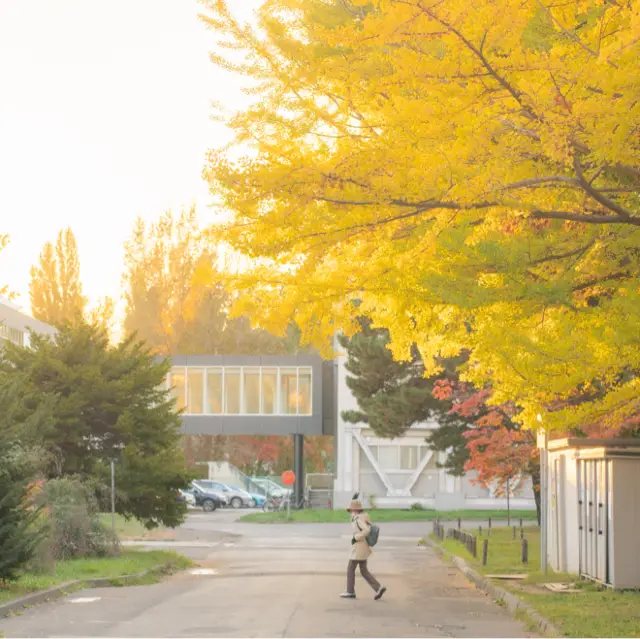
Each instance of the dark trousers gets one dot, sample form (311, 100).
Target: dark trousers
(364, 571)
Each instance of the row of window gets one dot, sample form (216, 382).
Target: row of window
(242, 390)
(12, 334)
(396, 457)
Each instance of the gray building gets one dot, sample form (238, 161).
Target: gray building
(15, 324)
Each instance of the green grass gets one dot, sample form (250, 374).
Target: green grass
(593, 612)
(383, 514)
(504, 554)
(133, 529)
(128, 563)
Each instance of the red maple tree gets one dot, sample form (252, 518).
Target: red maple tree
(499, 450)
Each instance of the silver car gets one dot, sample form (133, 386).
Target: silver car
(236, 497)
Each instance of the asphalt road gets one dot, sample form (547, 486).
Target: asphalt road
(269, 580)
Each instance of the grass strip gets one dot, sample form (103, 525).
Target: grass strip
(592, 612)
(130, 562)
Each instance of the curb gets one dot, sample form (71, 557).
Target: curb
(512, 602)
(43, 596)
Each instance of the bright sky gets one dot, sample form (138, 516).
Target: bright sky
(104, 116)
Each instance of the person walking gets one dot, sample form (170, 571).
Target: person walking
(360, 551)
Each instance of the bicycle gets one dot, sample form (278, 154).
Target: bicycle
(278, 504)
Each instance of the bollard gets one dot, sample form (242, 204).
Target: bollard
(514, 532)
(520, 522)
(485, 551)
(458, 523)
(521, 533)
(480, 531)
(525, 551)
(489, 528)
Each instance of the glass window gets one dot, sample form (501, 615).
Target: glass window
(178, 387)
(288, 391)
(232, 391)
(304, 391)
(251, 391)
(388, 457)
(214, 391)
(409, 456)
(195, 391)
(269, 390)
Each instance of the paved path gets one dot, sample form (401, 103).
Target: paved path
(262, 585)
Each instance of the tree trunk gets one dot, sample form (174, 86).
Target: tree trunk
(534, 473)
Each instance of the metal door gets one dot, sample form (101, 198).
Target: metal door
(601, 522)
(582, 517)
(594, 516)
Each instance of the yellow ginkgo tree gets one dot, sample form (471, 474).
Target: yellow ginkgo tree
(468, 171)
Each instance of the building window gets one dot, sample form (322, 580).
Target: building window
(269, 390)
(232, 391)
(178, 386)
(388, 457)
(239, 390)
(396, 458)
(195, 391)
(409, 457)
(251, 391)
(12, 334)
(288, 391)
(214, 391)
(304, 391)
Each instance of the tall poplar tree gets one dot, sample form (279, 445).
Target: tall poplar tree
(55, 288)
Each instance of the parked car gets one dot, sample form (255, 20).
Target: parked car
(185, 495)
(258, 500)
(270, 487)
(236, 496)
(198, 483)
(209, 501)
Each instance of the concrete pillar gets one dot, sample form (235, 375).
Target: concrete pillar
(298, 467)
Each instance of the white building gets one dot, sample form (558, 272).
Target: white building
(593, 509)
(15, 325)
(401, 472)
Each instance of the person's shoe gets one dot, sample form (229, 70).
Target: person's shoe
(348, 595)
(380, 592)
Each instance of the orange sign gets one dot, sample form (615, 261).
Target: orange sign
(288, 478)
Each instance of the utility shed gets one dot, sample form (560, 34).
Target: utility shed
(593, 520)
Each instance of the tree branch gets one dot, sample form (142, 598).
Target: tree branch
(562, 256)
(595, 194)
(586, 219)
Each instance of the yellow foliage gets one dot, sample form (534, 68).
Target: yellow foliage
(469, 171)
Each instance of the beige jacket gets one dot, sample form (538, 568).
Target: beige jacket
(361, 527)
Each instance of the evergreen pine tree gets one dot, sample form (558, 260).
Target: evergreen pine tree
(110, 403)
(391, 395)
(19, 530)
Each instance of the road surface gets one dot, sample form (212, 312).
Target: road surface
(269, 580)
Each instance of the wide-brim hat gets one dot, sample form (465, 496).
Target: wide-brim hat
(355, 504)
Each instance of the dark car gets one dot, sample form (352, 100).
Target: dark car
(209, 501)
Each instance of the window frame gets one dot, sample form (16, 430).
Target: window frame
(222, 370)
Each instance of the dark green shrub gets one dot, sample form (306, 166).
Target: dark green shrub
(20, 533)
(75, 527)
